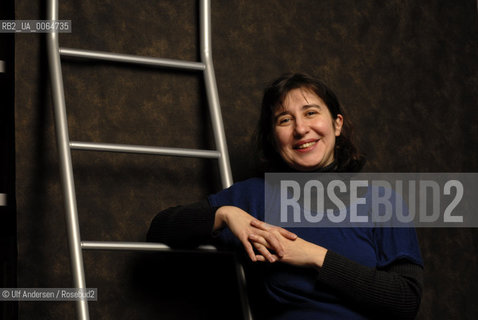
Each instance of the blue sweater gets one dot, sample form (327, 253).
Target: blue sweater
(303, 293)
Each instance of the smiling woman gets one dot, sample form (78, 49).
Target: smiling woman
(305, 131)
(300, 113)
(303, 273)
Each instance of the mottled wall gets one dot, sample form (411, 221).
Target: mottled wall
(406, 72)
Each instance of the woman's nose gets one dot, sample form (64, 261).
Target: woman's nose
(301, 127)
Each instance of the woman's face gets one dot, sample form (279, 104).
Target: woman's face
(305, 131)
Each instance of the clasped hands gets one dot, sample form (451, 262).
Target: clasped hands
(268, 243)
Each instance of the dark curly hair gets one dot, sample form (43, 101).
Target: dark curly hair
(347, 158)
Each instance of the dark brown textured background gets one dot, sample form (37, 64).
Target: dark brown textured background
(406, 72)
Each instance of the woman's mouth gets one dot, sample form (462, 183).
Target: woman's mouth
(305, 145)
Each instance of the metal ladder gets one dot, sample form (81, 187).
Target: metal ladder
(76, 245)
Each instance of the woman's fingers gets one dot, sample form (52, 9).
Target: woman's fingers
(269, 233)
(267, 227)
(269, 237)
(269, 241)
(260, 225)
(272, 242)
(264, 252)
(250, 250)
(286, 233)
(258, 239)
(260, 258)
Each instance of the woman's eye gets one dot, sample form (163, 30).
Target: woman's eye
(283, 121)
(311, 113)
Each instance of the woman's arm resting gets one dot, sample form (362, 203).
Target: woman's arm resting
(183, 226)
(394, 291)
(191, 225)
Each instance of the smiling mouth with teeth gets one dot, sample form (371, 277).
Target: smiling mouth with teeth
(306, 145)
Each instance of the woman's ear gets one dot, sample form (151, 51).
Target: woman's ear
(338, 122)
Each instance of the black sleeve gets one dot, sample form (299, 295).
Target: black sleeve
(183, 226)
(393, 292)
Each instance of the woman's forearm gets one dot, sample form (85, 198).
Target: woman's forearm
(220, 219)
(183, 226)
(394, 291)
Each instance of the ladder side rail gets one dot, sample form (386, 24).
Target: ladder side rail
(218, 128)
(241, 282)
(66, 169)
(212, 93)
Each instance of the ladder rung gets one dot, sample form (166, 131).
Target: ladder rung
(111, 147)
(134, 59)
(134, 246)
